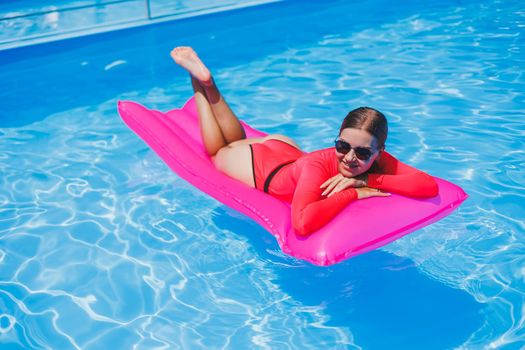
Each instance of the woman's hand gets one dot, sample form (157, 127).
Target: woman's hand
(338, 183)
(366, 192)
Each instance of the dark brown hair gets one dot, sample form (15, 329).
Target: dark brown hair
(371, 121)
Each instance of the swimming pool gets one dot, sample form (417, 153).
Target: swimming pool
(102, 246)
(29, 22)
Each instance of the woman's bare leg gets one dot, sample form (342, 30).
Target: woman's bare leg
(230, 125)
(211, 133)
(222, 133)
(219, 125)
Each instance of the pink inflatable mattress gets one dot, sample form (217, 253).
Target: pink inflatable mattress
(175, 137)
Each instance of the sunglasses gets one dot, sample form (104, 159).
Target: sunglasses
(343, 147)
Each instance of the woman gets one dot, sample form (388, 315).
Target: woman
(318, 184)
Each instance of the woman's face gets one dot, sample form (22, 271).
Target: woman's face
(349, 164)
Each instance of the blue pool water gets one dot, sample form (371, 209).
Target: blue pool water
(102, 246)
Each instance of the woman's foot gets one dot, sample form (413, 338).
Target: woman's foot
(188, 59)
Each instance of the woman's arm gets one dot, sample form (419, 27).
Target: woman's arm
(310, 210)
(400, 178)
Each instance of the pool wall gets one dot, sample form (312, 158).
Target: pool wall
(50, 77)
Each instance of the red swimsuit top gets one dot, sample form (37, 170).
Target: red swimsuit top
(300, 182)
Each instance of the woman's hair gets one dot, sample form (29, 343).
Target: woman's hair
(369, 120)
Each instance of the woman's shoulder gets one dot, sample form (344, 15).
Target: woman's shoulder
(323, 155)
(323, 158)
(387, 163)
(387, 158)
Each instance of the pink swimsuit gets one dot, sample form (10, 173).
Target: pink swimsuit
(294, 176)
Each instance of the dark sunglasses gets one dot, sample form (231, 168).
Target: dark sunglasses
(343, 147)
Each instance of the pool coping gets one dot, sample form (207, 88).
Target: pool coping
(134, 23)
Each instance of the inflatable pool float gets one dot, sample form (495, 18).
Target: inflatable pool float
(175, 137)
